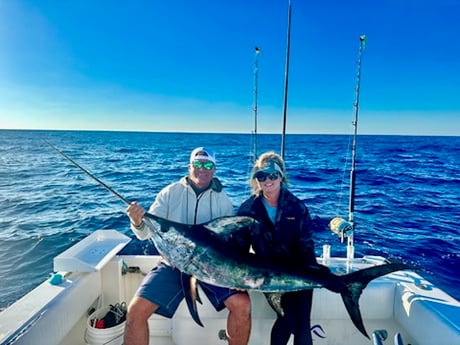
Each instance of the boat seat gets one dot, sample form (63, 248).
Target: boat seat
(326, 306)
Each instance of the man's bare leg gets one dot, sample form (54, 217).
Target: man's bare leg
(137, 328)
(239, 319)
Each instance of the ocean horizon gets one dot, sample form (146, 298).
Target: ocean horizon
(219, 133)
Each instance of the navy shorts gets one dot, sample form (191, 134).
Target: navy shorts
(163, 286)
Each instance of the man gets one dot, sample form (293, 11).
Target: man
(194, 199)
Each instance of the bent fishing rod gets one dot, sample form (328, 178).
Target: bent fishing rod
(111, 190)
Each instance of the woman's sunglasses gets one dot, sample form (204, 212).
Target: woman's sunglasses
(261, 176)
(204, 165)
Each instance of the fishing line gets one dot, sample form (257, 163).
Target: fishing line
(344, 171)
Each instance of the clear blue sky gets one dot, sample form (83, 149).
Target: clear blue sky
(181, 65)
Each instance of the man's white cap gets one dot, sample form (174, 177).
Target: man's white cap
(202, 153)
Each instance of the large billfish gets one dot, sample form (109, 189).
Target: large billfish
(202, 251)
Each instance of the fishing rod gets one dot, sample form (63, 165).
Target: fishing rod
(256, 70)
(339, 225)
(286, 77)
(148, 217)
(111, 190)
(351, 204)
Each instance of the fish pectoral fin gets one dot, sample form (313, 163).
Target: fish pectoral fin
(190, 289)
(274, 300)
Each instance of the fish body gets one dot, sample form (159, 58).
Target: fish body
(203, 251)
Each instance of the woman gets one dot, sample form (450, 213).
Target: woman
(284, 236)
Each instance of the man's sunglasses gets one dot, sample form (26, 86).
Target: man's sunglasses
(261, 176)
(205, 165)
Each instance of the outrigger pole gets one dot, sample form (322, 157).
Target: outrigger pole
(286, 78)
(338, 225)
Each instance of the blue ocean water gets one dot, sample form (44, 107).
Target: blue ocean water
(407, 195)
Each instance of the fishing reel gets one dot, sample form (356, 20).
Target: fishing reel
(341, 227)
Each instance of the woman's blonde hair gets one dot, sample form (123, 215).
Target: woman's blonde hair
(269, 156)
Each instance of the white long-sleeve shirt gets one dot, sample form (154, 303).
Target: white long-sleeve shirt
(178, 202)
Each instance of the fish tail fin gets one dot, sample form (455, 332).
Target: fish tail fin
(190, 289)
(354, 284)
